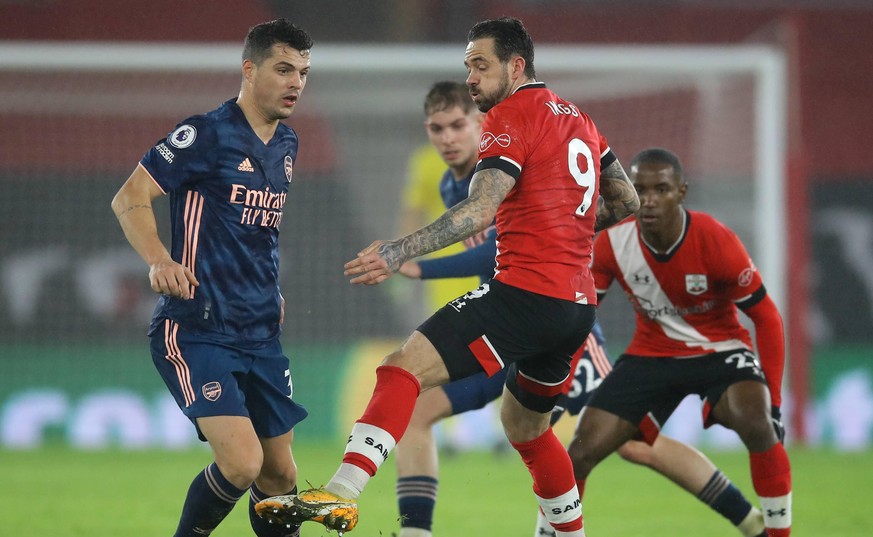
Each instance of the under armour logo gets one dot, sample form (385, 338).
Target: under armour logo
(642, 278)
(779, 512)
(547, 533)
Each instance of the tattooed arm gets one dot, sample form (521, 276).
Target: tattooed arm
(132, 205)
(620, 198)
(381, 259)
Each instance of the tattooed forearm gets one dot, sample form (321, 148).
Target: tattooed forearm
(131, 208)
(453, 226)
(620, 198)
(487, 190)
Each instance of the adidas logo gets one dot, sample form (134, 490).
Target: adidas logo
(245, 166)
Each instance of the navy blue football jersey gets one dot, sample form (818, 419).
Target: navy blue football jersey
(452, 191)
(227, 190)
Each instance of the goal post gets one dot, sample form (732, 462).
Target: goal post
(695, 64)
(83, 113)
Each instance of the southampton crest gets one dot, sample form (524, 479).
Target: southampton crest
(696, 283)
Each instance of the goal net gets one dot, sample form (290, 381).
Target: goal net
(76, 118)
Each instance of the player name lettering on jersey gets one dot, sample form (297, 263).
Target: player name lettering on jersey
(262, 207)
(563, 109)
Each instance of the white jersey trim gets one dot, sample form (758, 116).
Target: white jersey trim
(509, 160)
(647, 291)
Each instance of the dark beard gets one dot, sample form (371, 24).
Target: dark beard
(488, 102)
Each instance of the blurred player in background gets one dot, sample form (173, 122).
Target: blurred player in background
(454, 125)
(422, 205)
(686, 274)
(215, 330)
(542, 166)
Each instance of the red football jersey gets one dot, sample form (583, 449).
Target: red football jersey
(546, 223)
(684, 299)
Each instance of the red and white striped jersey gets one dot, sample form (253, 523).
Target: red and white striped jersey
(685, 299)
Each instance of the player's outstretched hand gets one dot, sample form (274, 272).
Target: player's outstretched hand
(171, 278)
(372, 266)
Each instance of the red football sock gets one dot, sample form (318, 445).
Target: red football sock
(580, 484)
(552, 472)
(771, 477)
(387, 414)
(393, 400)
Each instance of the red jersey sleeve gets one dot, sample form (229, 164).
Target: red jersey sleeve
(607, 157)
(604, 266)
(503, 136)
(737, 274)
(743, 284)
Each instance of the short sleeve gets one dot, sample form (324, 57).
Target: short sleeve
(737, 273)
(185, 155)
(607, 157)
(603, 265)
(503, 143)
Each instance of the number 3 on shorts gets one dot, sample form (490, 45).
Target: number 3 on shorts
(584, 179)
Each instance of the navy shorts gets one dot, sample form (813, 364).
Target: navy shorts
(473, 393)
(499, 326)
(208, 378)
(645, 390)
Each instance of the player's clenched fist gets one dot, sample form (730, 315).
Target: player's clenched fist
(171, 278)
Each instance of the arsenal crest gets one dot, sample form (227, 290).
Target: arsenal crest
(696, 284)
(212, 390)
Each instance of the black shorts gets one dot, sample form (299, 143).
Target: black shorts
(499, 326)
(646, 390)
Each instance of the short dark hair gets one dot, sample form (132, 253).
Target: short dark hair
(510, 37)
(660, 155)
(447, 94)
(261, 38)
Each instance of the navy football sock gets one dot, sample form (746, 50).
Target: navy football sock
(210, 498)
(416, 498)
(261, 526)
(720, 494)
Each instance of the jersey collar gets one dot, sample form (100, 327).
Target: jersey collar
(665, 256)
(530, 85)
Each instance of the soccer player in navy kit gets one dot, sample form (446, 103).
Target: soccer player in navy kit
(215, 331)
(453, 124)
(543, 165)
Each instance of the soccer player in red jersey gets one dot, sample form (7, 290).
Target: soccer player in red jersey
(686, 275)
(542, 166)
(453, 124)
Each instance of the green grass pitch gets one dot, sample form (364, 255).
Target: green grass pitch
(62, 493)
